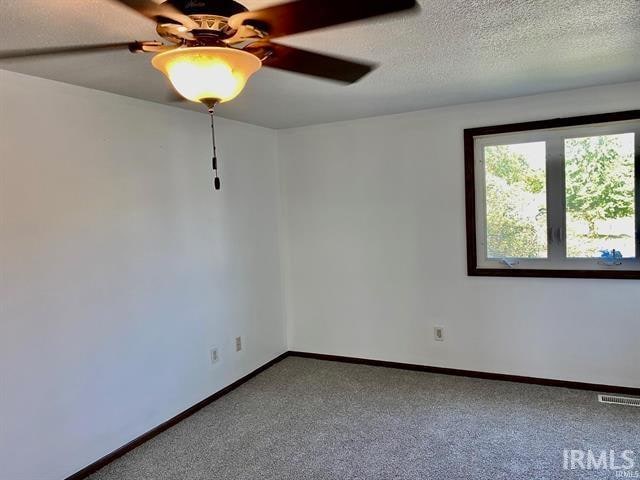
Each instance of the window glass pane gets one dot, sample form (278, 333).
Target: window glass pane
(516, 201)
(599, 174)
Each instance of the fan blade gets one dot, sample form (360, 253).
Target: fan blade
(159, 12)
(33, 52)
(305, 15)
(292, 59)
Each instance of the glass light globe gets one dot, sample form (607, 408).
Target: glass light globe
(203, 74)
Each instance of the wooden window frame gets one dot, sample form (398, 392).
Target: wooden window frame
(470, 193)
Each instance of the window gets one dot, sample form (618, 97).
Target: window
(555, 198)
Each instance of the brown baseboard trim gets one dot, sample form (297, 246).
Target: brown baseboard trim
(98, 464)
(473, 374)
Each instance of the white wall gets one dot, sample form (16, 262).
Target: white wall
(376, 253)
(121, 267)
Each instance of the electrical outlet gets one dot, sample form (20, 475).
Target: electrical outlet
(213, 354)
(238, 344)
(438, 334)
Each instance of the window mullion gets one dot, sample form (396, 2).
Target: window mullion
(556, 218)
(637, 190)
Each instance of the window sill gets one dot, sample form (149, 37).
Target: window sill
(474, 271)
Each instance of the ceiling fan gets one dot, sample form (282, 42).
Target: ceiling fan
(214, 46)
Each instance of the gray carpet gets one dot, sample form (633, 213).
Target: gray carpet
(311, 419)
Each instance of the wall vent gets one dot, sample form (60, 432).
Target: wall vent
(628, 401)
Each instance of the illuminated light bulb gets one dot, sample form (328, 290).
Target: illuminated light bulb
(206, 74)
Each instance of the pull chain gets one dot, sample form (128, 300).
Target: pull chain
(214, 162)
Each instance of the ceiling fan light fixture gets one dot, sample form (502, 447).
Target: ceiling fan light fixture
(203, 74)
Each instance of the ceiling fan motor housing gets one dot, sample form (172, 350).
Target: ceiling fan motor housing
(221, 8)
(212, 18)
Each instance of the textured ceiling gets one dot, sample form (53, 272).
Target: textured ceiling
(453, 51)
